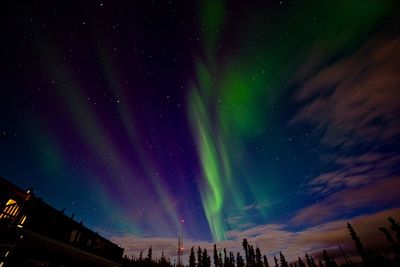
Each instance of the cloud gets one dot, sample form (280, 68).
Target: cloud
(354, 106)
(272, 238)
(239, 222)
(354, 172)
(355, 101)
(249, 214)
(377, 195)
(261, 205)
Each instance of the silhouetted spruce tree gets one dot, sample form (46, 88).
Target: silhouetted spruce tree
(215, 256)
(395, 226)
(266, 261)
(313, 262)
(310, 261)
(226, 260)
(252, 256)
(149, 254)
(329, 261)
(359, 246)
(206, 259)
(126, 262)
(259, 262)
(276, 262)
(231, 259)
(387, 234)
(141, 256)
(301, 263)
(239, 260)
(284, 263)
(163, 261)
(246, 250)
(192, 258)
(220, 261)
(199, 257)
(395, 245)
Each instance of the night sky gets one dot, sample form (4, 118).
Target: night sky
(268, 120)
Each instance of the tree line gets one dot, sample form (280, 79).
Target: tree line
(253, 257)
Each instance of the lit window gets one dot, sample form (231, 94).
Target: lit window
(10, 202)
(10, 210)
(21, 222)
(75, 236)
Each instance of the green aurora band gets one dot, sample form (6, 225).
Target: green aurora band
(232, 89)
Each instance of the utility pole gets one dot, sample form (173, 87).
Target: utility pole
(180, 242)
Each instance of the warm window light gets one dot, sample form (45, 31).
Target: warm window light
(11, 201)
(22, 221)
(75, 235)
(10, 210)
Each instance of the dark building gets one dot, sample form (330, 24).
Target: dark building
(32, 233)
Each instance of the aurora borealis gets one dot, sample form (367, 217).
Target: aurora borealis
(241, 117)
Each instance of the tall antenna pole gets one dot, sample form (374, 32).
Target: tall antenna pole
(180, 243)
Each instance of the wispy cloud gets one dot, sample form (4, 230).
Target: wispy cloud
(378, 195)
(272, 238)
(249, 214)
(354, 171)
(260, 206)
(354, 106)
(239, 222)
(355, 101)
